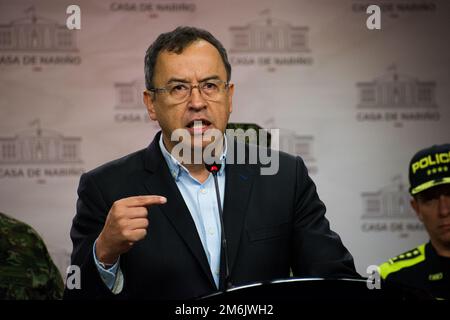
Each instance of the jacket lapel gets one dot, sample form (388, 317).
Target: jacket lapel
(162, 183)
(238, 184)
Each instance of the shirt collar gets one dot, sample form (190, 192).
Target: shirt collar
(176, 167)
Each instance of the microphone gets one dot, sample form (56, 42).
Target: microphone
(214, 168)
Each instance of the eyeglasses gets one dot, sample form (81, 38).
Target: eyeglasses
(211, 90)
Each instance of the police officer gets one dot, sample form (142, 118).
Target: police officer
(26, 269)
(427, 267)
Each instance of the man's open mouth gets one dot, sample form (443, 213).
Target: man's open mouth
(198, 126)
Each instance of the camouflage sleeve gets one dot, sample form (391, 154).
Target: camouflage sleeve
(26, 269)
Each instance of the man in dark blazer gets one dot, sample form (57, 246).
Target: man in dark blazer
(142, 232)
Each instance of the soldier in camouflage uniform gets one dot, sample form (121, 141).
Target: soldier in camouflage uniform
(26, 269)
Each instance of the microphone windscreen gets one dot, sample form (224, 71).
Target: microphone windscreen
(213, 167)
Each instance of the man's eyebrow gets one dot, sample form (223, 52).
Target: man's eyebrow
(215, 77)
(172, 80)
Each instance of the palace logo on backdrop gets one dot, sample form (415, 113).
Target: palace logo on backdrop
(129, 107)
(153, 9)
(388, 210)
(40, 154)
(270, 43)
(397, 98)
(396, 8)
(37, 41)
(299, 145)
(293, 143)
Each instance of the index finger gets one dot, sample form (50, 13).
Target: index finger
(143, 201)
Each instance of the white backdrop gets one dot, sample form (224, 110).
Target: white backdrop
(354, 103)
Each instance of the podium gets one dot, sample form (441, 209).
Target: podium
(316, 289)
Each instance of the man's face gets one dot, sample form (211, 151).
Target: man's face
(198, 62)
(433, 209)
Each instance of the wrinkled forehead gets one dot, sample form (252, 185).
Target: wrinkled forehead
(198, 60)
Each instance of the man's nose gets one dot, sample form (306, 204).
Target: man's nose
(196, 100)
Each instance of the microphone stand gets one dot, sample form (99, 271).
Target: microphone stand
(214, 168)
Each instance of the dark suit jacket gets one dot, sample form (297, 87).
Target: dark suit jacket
(273, 224)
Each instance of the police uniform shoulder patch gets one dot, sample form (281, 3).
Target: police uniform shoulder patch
(404, 260)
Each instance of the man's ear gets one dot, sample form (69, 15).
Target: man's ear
(415, 205)
(148, 98)
(230, 97)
